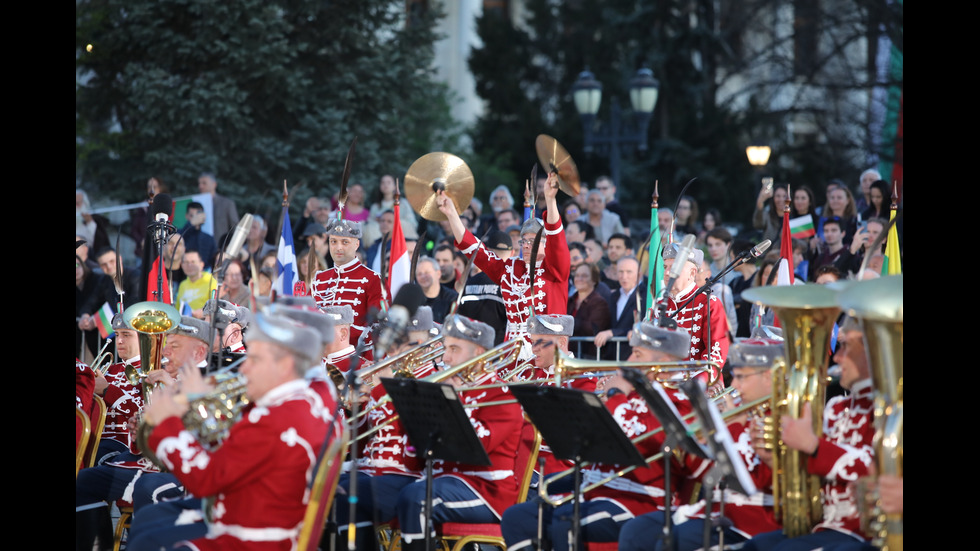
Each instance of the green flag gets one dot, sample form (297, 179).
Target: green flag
(655, 262)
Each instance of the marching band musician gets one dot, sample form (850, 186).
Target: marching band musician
(750, 360)
(340, 351)
(692, 317)
(123, 399)
(231, 321)
(550, 277)
(386, 462)
(348, 282)
(461, 492)
(842, 455)
(303, 310)
(606, 508)
(116, 477)
(260, 475)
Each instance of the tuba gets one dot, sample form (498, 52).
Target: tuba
(807, 314)
(152, 321)
(878, 305)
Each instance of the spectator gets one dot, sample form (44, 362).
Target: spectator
(384, 200)
(619, 245)
(686, 217)
(879, 197)
(234, 287)
(196, 289)
(743, 280)
(93, 228)
(82, 250)
(256, 243)
(106, 293)
(712, 220)
(139, 217)
(868, 177)
(173, 256)
(590, 310)
(197, 239)
(622, 308)
(606, 185)
(570, 211)
(840, 204)
(87, 284)
(224, 209)
(448, 274)
(354, 208)
(803, 203)
(376, 251)
(438, 297)
(595, 253)
(505, 219)
(501, 199)
(604, 223)
(719, 241)
(578, 231)
(316, 211)
(665, 221)
(768, 213)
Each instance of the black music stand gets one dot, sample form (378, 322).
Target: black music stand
(577, 427)
(436, 423)
(728, 470)
(677, 435)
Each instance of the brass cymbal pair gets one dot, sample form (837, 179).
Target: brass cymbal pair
(437, 171)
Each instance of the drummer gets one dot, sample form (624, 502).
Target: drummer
(543, 292)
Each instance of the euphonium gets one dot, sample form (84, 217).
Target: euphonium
(878, 305)
(152, 321)
(807, 314)
(209, 416)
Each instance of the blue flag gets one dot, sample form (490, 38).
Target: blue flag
(287, 276)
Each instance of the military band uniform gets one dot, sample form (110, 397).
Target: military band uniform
(550, 295)
(353, 284)
(693, 317)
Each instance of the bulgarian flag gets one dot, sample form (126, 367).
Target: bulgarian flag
(801, 227)
(893, 256)
(400, 264)
(103, 320)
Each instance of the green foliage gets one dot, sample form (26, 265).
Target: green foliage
(257, 92)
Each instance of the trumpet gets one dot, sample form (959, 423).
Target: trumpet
(404, 363)
(669, 374)
(103, 359)
(693, 427)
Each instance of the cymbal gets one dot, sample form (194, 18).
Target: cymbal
(554, 158)
(432, 172)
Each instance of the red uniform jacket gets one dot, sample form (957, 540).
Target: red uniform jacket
(692, 318)
(642, 490)
(259, 477)
(550, 295)
(499, 430)
(123, 401)
(845, 453)
(353, 284)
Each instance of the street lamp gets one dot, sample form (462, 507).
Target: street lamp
(587, 94)
(759, 157)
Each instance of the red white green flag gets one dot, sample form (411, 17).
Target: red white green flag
(103, 320)
(802, 227)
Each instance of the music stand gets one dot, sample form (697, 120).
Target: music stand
(677, 434)
(577, 427)
(728, 469)
(436, 423)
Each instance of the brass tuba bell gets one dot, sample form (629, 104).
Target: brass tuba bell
(878, 304)
(807, 314)
(152, 321)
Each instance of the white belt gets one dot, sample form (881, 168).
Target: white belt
(252, 534)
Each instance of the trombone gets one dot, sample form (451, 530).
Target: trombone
(694, 428)
(470, 370)
(669, 374)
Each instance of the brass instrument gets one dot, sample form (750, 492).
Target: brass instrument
(209, 416)
(807, 314)
(103, 359)
(469, 371)
(693, 427)
(669, 374)
(152, 321)
(403, 364)
(878, 306)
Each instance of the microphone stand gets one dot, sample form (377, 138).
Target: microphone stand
(162, 229)
(353, 385)
(706, 288)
